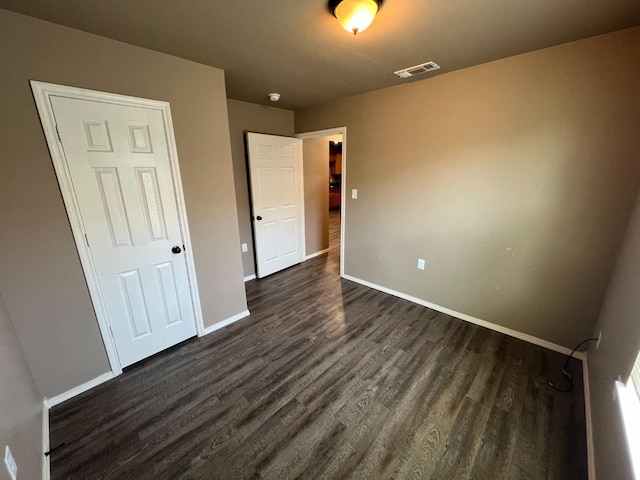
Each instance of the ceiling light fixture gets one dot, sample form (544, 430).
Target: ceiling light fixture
(355, 15)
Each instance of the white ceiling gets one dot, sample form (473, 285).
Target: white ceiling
(297, 48)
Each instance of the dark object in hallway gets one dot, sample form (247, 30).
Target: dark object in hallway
(330, 379)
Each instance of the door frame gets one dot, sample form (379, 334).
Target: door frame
(42, 92)
(343, 205)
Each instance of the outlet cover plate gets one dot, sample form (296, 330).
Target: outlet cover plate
(10, 463)
(421, 264)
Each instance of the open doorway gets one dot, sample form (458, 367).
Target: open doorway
(335, 193)
(324, 178)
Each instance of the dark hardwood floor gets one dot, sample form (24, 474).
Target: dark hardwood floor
(330, 379)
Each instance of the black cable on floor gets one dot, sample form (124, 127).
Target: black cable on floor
(54, 450)
(565, 370)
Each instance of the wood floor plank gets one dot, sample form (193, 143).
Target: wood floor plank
(352, 447)
(431, 424)
(462, 447)
(493, 364)
(493, 459)
(258, 445)
(330, 379)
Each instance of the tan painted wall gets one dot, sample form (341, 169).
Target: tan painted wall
(316, 192)
(513, 179)
(249, 117)
(20, 404)
(619, 323)
(41, 276)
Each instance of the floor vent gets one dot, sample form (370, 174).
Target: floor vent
(417, 69)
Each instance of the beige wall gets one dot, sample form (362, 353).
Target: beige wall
(20, 405)
(316, 193)
(41, 276)
(619, 323)
(248, 117)
(513, 179)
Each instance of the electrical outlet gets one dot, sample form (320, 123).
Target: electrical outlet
(10, 463)
(421, 264)
(354, 193)
(245, 248)
(599, 338)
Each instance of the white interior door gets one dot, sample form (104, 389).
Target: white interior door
(275, 165)
(118, 161)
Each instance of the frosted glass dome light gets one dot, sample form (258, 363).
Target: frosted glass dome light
(356, 15)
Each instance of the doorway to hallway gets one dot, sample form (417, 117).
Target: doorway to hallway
(324, 175)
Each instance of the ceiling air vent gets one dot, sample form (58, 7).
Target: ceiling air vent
(417, 69)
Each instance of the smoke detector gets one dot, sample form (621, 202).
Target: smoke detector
(274, 97)
(417, 69)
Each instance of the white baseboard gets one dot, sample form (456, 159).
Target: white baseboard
(249, 278)
(591, 461)
(48, 403)
(468, 318)
(63, 397)
(226, 322)
(46, 469)
(317, 254)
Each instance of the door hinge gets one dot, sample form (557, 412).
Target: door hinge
(111, 331)
(86, 239)
(58, 133)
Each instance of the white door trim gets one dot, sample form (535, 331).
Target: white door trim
(343, 205)
(42, 93)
